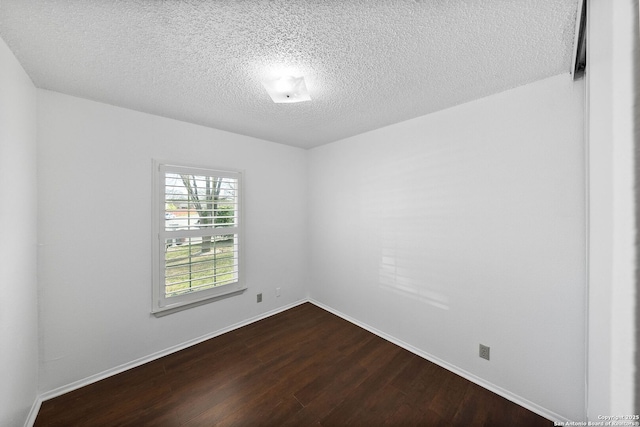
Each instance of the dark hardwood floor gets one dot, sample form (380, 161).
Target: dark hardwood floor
(301, 367)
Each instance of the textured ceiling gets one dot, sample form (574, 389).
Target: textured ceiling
(367, 64)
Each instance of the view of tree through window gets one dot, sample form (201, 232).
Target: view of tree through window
(201, 245)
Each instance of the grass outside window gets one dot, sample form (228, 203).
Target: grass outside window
(188, 268)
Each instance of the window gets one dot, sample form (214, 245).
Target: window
(197, 236)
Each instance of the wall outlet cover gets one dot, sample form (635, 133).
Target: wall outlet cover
(485, 352)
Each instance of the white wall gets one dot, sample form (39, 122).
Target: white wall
(95, 233)
(462, 227)
(613, 42)
(18, 192)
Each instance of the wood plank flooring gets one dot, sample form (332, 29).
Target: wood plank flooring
(302, 367)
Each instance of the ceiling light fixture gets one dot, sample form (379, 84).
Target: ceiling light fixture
(287, 89)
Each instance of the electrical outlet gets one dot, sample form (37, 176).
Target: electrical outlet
(484, 351)
(259, 297)
(277, 292)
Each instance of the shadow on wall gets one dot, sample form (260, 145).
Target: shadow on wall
(397, 275)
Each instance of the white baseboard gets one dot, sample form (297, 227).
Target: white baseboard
(474, 379)
(33, 413)
(146, 359)
(543, 412)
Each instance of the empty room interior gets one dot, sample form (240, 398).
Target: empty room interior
(455, 178)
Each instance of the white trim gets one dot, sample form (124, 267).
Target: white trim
(161, 305)
(196, 170)
(449, 367)
(33, 413)
(612, 227)
(587, 241)
(518, 400)
(157, 355)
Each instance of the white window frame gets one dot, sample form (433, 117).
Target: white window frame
(161, 304)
